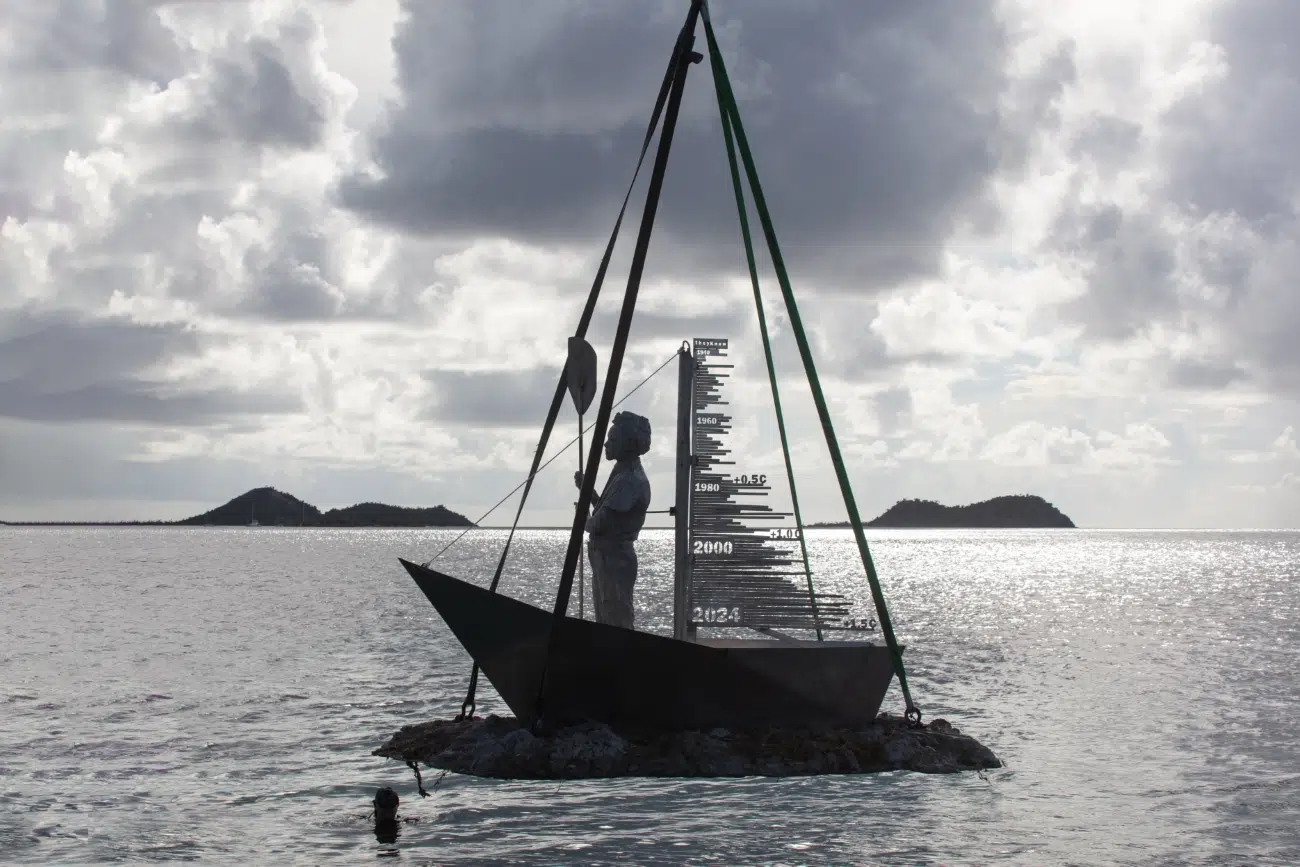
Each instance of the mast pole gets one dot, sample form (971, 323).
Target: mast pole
(582, 580)
(682, 629)
(683, 58)
(912, 712)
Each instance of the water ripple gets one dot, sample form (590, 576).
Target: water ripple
(214, 694)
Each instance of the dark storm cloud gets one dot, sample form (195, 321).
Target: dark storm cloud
(650, 324)
(520, 398)
(294, 275)
(292, 292)
(41, 462)
(848, 347)
(134, 403)
(126, 36)
(874, 125)
(1205, 375)
(492, 398)
(1031, 105)
(260, 91)
(300, 277)
(55, 367)
(893, 408)
(60, 350)
(1107, 141)
(259, 97)
(294, 280)
(1235, 147)
(1129, 262)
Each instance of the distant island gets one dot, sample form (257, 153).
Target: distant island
(1018, 512)
(269, 507)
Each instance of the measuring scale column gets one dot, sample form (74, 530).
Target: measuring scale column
(713, 515)
(683, 629)
(745, 567)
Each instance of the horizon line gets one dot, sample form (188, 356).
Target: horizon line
(819, 525)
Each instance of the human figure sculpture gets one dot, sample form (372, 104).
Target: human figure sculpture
(616, 520)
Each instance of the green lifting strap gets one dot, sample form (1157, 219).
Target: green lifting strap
(767, 343)
(730, 110)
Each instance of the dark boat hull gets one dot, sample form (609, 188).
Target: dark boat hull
(629, 679)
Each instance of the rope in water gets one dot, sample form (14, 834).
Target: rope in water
(572, 443)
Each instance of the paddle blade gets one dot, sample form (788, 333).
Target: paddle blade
(581, 373)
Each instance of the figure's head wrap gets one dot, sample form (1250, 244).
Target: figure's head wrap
(629, 435)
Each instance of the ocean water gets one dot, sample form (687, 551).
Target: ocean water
(214, 695)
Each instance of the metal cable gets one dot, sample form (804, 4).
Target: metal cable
(571, 443)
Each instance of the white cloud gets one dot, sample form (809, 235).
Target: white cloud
(941, 319)
(1285, 445)
(1283, 448)
(1062, 258)
(1031, 444)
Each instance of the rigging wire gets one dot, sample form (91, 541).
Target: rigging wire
(683, 58)
(732, 112)
(571, 443)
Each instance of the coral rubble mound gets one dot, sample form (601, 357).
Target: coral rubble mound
(501, 748)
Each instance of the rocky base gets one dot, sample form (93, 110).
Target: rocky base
(499, 747)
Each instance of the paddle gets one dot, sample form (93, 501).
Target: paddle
(580, 373)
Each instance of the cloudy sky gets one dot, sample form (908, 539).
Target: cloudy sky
(337, 247)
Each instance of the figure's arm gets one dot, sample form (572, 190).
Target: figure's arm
(577, 483)
(619, 497)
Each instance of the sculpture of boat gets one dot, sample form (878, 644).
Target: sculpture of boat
(729, 573)
(630, 679)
